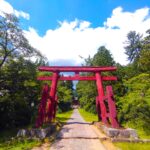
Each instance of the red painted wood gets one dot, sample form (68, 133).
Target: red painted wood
(75, 69)
(100, 97)
(98, 109)
(83, 78)
(42, 106)
(112, 107)
(52, 94)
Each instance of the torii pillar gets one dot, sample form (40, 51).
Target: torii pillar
(100, 97)
(51, 107)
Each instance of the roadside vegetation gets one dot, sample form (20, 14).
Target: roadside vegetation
(63, 117)
(133, 146)
(8, 139)
(88, 117)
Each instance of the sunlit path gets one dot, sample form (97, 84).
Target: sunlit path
(77, 135)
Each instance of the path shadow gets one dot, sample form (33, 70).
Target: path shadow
(62, 132)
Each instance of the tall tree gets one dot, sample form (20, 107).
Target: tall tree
(103, 57)
(18, 84)
(12, 40)
(134, 46)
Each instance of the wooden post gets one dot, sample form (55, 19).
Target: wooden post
(98, 108)
(100, 97)
(42, 106)
(52, 95)
(112, 107)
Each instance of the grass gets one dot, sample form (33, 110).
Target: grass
(141, 133)
(88, 117)
(133, 146)
(9, 141)
(63, 117)
(22, 144)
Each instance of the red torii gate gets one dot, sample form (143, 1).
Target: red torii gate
(47, 107)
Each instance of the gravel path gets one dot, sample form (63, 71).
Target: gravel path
(77, 135)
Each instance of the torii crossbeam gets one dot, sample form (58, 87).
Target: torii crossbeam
(49, 99)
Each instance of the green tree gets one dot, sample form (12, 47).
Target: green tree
(18, 92)
(135, 104)
(103, 57)
(134, 46)
(19, 86)
(65, 95)
(144, 60)
(87, 93)
(13, 43)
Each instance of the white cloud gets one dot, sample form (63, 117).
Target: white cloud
(75, 38)
(7, 8)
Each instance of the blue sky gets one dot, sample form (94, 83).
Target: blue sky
(64, 29)
(45, 14)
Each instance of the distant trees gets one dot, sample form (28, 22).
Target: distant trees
(134, 105)
(65, 95)
(103, 57)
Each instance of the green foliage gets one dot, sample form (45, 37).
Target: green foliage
(13, 43)
(134, 46)
(89, 117)
(19, 89)
(144, 61)
(135, 105)
(133, 146)
(19, 86)
(103, 57)
(86, 95)
(8, 140)
(65, 95)
(19, 144)
(64, 116)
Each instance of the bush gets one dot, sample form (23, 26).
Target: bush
(134, 107)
